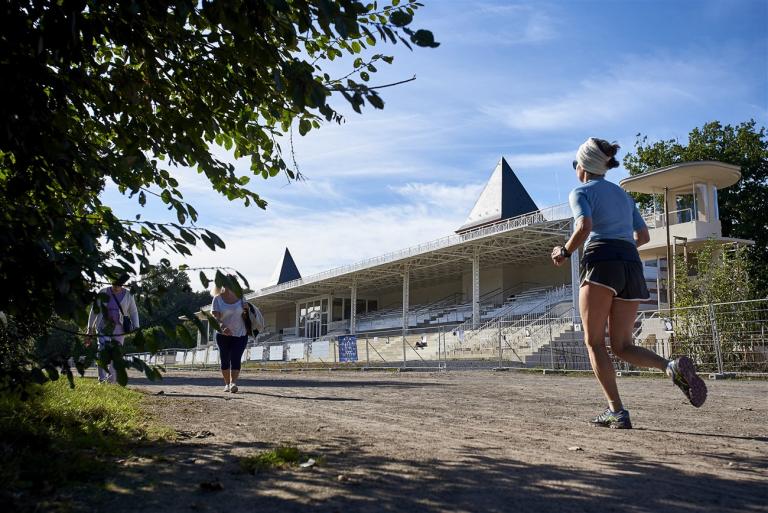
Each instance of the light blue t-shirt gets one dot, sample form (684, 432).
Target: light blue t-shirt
(613, 212)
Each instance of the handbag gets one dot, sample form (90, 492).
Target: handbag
(246, 319)
(252, 318)
(127, 323)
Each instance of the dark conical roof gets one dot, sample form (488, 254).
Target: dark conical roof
(286, 270)
(503, 197)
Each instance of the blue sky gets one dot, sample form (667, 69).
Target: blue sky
(527, 81)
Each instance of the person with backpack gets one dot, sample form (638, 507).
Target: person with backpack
(612, 283)
(114, 316)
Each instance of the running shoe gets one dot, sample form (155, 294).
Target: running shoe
(227, 388)
(683, 374)
(233, 388)
(613, 419)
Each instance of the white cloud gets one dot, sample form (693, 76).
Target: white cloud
(521, 24)
(322, 240)
(456, 198)
(524, 161)
(645, 88)
(379, 144)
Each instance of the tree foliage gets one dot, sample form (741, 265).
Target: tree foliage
(714, 317)
(125, 92)
(743, 205)
(713, 274)
(165, 296)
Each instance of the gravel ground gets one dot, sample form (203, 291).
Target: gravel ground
(456, 441)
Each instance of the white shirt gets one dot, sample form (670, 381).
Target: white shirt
(231, 316)
(97, 320)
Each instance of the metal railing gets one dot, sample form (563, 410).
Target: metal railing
(550, 295)
(554, 213)
(656, 219)
(721, 338)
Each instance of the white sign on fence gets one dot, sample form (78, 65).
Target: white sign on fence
(200, 356)
(320, 349)
(275, 353)
(213, 356)
(295, 351)
(180, 356)
(256, 353)
(189, 358)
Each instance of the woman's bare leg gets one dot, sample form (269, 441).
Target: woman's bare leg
(623, 315)
(595, 307)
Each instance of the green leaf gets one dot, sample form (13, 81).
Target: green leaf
(400, 18)
(208, 241)
(304, 126)
(185, 336)
(424, 38)
(245, 282)
(188, 236)
(181, 214)
(375, 100)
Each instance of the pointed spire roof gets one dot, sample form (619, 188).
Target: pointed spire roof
(286, 270)
(503, 197)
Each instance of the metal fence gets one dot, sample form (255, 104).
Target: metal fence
(726, 338)
(722, 338)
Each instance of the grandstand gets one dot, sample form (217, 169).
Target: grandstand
(488, 291)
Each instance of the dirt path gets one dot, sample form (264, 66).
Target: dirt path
(449, 442)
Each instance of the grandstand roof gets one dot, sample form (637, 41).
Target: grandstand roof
(502, 198)
(681, 176)
(285, 270)
(524, 238)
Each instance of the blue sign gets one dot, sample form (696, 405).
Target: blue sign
(348, 348)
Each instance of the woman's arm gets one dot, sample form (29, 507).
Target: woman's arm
(580, 234)
(217, 315)
(92, 318)
(642, 236)
(133, 312)
(95, 313)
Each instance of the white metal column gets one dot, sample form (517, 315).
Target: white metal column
(575, 282)
(297, 319)
(575, 285)
(353, 309)
(476, 289)
(406, 298)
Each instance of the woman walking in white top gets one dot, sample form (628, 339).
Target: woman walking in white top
(111, 319)
(227, 307)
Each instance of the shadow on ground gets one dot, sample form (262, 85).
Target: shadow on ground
(353, 481)
(215, 382)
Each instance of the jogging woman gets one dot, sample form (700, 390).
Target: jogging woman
(227, 307)
(611, 280)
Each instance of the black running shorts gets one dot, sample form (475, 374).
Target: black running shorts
(625, 279)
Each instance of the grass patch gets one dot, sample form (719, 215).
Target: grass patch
(60, 435)
(279, 458)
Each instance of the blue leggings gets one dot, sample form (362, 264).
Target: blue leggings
(231, 350)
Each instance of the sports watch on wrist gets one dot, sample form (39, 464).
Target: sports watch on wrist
(564, 252)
